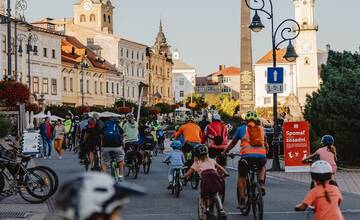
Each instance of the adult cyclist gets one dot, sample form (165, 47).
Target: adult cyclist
(68, 125)
(216, 135)
(131, 137)
(93, 196)
(253, 150)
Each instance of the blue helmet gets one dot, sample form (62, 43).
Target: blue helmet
(176, 145)
(327, 140)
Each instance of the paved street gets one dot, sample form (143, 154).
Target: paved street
(281, 197)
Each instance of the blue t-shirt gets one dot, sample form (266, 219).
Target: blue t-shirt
(240, 132)
(175, 158)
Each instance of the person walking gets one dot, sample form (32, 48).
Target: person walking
(47, 135)
(59, 138)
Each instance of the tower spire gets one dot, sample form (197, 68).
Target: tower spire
(161, 26)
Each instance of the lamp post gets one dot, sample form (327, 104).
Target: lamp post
(21, 6)
(286, 33)
(83, 65)
(31, 40)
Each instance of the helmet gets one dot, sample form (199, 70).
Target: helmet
(177, 127)
(200, 150)
(176, 145)
(251, 116)
(327, 140)
(216, 117)
(190, 118)
(93, 193)
(76, 118)
(148, 130)
(129, 116)
(321, 171)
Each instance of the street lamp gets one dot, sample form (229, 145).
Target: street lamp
(31, 40)
(21, 6)
(83, 65)
(281, 31)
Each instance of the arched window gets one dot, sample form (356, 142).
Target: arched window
(92, 18)
(109, 18)
(104, 18)
(82, 18)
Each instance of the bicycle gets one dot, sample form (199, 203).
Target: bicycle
(176, 186)
(147, 161)
(132, 161)
(114, 168)
(221, 160)
(253, 191)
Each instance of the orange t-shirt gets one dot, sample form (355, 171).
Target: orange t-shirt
(191, 132)
(323, 209)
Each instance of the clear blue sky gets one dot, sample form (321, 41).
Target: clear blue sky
(207, 32)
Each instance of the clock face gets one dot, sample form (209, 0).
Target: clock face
(306, 46)
(87, 5)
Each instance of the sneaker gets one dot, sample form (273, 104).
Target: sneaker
(60, 158)
(44, 158)
(170, 186)
(222, 212)
(242, 204)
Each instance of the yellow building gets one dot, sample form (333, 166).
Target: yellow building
(159, 67)
(83, 68)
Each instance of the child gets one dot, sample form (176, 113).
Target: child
(211, 183)
(176, 160)
(325, 198)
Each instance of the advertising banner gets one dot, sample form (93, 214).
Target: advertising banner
(296, 146)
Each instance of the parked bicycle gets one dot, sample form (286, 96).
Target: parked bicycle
(253, 191)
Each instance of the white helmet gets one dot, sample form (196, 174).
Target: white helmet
(130, 116)
(93, 193)
(321, 167)
(216, 117)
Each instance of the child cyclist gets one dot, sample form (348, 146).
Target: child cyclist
(325, 198)
(176, 160)
(206, 167)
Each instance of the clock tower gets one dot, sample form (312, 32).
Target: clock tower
(306, 47)
(95, 14)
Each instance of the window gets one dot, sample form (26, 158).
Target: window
(71, 85)
(107, 87)
(45, 83)
(137, 55)
(53, 86)
(128, 91)
(143, 72)
(36, 84)
(104, 18)
(64, 84)
(109, 18)
(95, 87)
(132, 70)
(112, 88)
(142, 56)
(92, 18)
(133, 92)
(117, 88)
(121, 52)
(82, 18)
(87, 86)
(181, 94)
(137, 72)
(4, 43)
(132, 54)
(127, 53)
(35, 50)
(53, 54)
(169, 92)
(181, 81)
(226, 89)
(101, 88)
(90, 41)
(45, 52)
(307, 60)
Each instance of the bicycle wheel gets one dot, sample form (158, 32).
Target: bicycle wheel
(38, 184)
(195, 181)
(53, 176)
(134, 168)
(177, 186)
(222, 192)
(114, 171)
(147, 162)
(155, 151)
(257, 202)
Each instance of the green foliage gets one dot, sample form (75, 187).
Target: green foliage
(5, 125)
(334, 109)
(226, 105)
(164, 108)
(198, 99)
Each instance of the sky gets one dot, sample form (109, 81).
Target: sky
(207, 32)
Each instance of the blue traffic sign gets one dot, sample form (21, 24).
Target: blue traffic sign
(275, 75)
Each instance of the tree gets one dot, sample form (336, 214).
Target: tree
(198, 101)
(223, 103)
(164, 108)
(5, 125)
(334, 109)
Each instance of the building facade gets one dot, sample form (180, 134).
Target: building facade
(44, 59)
(159, 66)
(183, 78)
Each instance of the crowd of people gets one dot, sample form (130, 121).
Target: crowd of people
(201, 146)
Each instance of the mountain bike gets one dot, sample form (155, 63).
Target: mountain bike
(176, 185)
(132, 161)
(253, 190)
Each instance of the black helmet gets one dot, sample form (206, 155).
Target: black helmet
(200, 150)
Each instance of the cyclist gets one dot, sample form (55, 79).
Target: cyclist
(160, 136)
(68, 125)
(324, 197)
(80, 133)
(75, 140)
(131, 137)
(207, 168)
(203, 123)
(253, 150)
(91, 140)
(176, 160)
(192, 134)
(113, 136)
(93, 196)
(216, 134)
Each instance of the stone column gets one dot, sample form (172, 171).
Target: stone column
(247, 98)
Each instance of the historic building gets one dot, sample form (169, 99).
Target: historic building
(87, 79)
(183, 78)
(92, 25)
(44, 58)
(159, 66)
(301, 77)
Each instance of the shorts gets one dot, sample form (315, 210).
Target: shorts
(215, 153)
(118, 153)
(245, 164)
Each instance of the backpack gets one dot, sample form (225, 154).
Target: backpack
(219, 138)
(256, 134)
(112, 134)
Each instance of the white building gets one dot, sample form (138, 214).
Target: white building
(45, 64)
(184, 77)
(302, 77)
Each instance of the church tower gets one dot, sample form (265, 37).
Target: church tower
(95, 14)
(306, 47)
(161, 46)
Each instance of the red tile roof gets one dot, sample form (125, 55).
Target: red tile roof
(267, 58)
(80, 50)
(228, 71)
